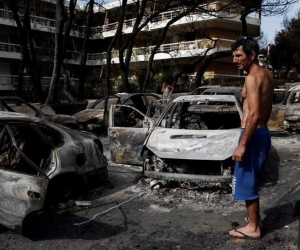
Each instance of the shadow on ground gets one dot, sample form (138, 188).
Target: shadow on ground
(270, 172)
(51, 225)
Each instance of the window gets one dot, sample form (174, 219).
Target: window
(4, 38)
(23, 149)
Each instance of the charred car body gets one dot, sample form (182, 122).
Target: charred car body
(92, 118)
(192, 141)
(292, 111)
(17, 104)
(40, 160)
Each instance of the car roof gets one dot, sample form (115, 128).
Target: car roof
(5, 115)
(128, 95)
(224, 89)
(295, 88)
(186, 98)
(132, 94)
(207, 87)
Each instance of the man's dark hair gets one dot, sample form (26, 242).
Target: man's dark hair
(248, 44)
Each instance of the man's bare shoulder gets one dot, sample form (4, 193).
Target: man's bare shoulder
(259, 76)
(254, 79)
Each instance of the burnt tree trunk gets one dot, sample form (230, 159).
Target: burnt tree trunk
(208, 59)
(66, 85)
(84, 51)
(27, 47)
(57, 52)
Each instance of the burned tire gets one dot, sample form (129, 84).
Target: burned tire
(64, 188)
(98, 178)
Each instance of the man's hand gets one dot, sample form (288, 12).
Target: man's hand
(239, 153)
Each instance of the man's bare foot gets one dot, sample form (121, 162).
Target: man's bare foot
(245, 232)
(260, 222)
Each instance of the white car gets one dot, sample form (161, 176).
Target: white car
(192, 140)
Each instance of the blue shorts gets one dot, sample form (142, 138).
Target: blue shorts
(247, 172)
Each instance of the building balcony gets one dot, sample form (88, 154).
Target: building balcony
(109, 29)
(140, 54)
(178, 50)
(14, 51)
(9, 82)
(10, 51)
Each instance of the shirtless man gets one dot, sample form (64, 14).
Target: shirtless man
(255, 141)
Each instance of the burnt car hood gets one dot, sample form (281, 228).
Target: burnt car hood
(193, 144)
(63, 119)
(89, 114)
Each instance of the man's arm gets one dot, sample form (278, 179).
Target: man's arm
(252, 85)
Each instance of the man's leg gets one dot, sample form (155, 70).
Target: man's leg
(252, 229)
(253, 214)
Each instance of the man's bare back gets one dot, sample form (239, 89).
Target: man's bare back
(264, 83)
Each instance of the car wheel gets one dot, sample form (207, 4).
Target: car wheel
(64, 188)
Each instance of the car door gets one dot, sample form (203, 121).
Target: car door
(23, 185)
(128, 129)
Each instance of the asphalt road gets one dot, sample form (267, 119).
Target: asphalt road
(128, 214)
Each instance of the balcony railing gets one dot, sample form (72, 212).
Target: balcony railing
(9, 47)
(12, 80)
(97, 56)
(193, 47)
(41, 22)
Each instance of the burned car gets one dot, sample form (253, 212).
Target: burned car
(292, 110)
(92, 118)
(192, 140)
(40, 161)
(19, 105)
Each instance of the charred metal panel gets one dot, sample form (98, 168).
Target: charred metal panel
(63, 119)
(188, 177)
(126, 144)
(78, 144)
(20, 195)
(89, 114)
(193, 144)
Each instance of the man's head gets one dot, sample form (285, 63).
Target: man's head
(245, 51)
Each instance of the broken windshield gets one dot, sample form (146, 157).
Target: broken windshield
(202, 115)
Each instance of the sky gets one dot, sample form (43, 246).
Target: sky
(270, 25)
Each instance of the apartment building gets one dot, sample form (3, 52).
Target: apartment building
(187, 39)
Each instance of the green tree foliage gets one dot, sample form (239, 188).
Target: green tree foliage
(285, 53)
